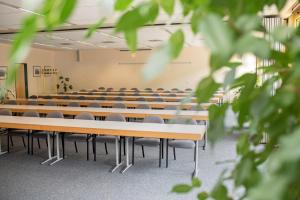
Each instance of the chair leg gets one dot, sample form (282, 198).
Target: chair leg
(63, 145)
(8, 143)
(167, 154)
(31, 143)
(160, 146)
(143, 151)
(23, 140)
(195, 149)
(105, 145)
(132, 159)
(53, 138)
(11, 141)
(124, 150)
(87, 148)
(28, 143)
(174, 153)
(120, 150)
(75, 144)
(94, 147)
(38, 141)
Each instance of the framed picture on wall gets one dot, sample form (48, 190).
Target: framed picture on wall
(47, 71)
(3, 72)
(37, 71)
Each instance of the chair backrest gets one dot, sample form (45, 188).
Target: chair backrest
(100, 98)
(6, 112)
(188, 89)
(122, 89)
(158, 100)
(82, 90)
(31, 114)
(50, 103)
(119, 105)
(33, 97)
(81, 98)
(174, 89)
(11, 102)
(155, 95)
(47, 97)
(170, 108)
(141, 99)
(143, 106)
(85, 116)
(167, 91)
(74, 92)
(55, 114)
(136, 94)
(65, 97)
(94, 105)
(136, 89)
(90, 93)
(101, 88)
(94, 90)
(32, 103)
(121, 94)
(74, 104)
(109, 89)
(183, 120)
(160, 89)
(171, 95)
(103, 93)
(197, 108)
(115, 117)
(118, 98)
(149, 89)
(153, 119)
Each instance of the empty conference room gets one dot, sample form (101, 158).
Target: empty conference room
(149, 99)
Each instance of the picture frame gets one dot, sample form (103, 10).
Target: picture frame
(3, 72)
(47, 71)
(37, 71)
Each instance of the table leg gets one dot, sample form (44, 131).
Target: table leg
(196, 160)
(128, 165)
(118, 163)
(50, 157)
(205, 135)
(58, 158)
(1, 152)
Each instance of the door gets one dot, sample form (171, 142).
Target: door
(22, 81)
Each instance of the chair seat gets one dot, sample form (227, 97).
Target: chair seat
(18, 132)
(76, 137)
(184, 144)
(108, 139)
(41, 134)
(150, 142)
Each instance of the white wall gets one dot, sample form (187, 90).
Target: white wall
(113, 68)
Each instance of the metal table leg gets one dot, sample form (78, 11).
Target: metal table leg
(58, 158)
(128, 165)
(50, 157)
(196, 160)
(205, 135)
(118, 163)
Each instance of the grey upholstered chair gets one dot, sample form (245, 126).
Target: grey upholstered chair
(122, 89)
(167, 91)
(160, 89)
(50, 103)
(136, 94)
(22, 132)
(174, 89)
(171, 107)
(82, 90)
(94, 105)
(81, 137)
(74, 104)
(106, 138)
(141, 99)
(81, 98)
(65, 97)
(119, 105)
(155, 95)
(188, 89)
(109, 89)
(135, 89)
(101, 98)
(7, 112)
(47, 97)
(32, 103)
(101, 88)
(183, 144)
(143, 106)
(148, 89)
(158, 100)
(149, 142)
(10, 102)
(118, 98)
(121, 94)
(172, 95)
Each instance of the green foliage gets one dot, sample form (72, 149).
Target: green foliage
(231, 29)
(93, 28)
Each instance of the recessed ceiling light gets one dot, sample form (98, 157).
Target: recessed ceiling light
(108, 42)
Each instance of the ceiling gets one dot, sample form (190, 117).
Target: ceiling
(71, 35)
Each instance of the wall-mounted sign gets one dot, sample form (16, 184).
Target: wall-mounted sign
(48, 71)
(37, 71)
(3, 72)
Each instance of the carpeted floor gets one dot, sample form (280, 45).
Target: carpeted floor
(22, 177)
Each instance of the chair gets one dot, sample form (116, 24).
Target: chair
(74, 104)
(148, 89)
(109, 89)
(82, 90)
(183, 144)
(33, 97)
(7, 112)
(65, 97)
(22, 132)
(174, 89)
(143, 106)
(106, 138)
(135, 89)
(122, 89)
(103, 93)
(121, 94)
(171, 95)
(32, 103)
(101, 98)
(94, 90)
(160, 89)
(170, 107)
(158, 100)
(81, 137)
(10, 102)
(136, 94)
(50, 103)
(47, 97)
(118, 98)
(119, 105)
(94, 105)
(141, 99)
(81, 98)
(150, 142)
(101, 88)
(155, 95)
(74, 92)
(167, 91)
(188, 89)
(90, 93)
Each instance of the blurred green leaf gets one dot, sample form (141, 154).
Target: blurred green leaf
(220, 192)
(131, 39)
(202, 196)
(93, 28)
(205, 89)
(248, 23)
(122, 4)
(196, 182)
(168, 6)
(182, 188)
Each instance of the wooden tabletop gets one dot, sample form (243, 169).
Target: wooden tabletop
(110, 103)
(133, 113)
(133, 98)
(131, 129)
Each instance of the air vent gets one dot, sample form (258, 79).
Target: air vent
(155, 40)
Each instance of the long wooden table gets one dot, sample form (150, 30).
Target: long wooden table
(101, 112)
(109, 103)
(134, 98)
(126, 129)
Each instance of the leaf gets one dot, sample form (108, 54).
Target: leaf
(196, 182)
(220, 192)
(131, 39)
(182, 188)
(248, 23)
(164, 56)
(282, 33)
(94, 28)
(206, 89)
(66, 10)
(168, 6)
(121, 5)
(202, 196)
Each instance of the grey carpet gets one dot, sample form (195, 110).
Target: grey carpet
(22, 177)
